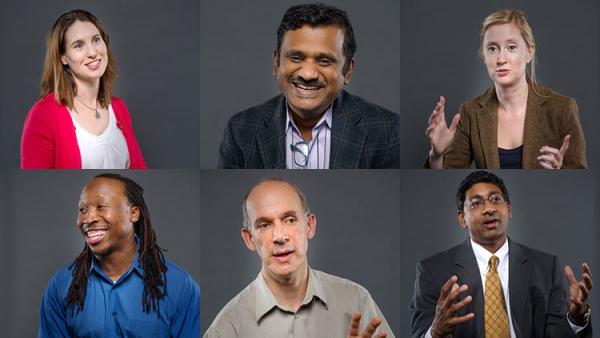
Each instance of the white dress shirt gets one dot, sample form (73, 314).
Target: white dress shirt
(319, 146)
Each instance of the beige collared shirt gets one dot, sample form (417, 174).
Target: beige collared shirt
(326, 311)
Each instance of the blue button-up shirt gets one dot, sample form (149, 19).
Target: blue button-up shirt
(115, 309)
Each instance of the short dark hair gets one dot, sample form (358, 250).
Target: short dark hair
(480, 176)
(316, 15)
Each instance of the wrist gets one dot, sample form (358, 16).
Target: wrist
(581, 319)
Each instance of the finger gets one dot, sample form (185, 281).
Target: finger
(550, 159)
(370, 330)
(587, 280)
(546, 165)
(457, 292)
(382, 335)
(570, 276)
(457, 306)
(446, 288)
(584, 292)
(549, 150)
(354, 324)
(565, 145)
(459, 320)
(586, 269)
(454, 123)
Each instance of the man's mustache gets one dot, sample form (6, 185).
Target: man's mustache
(311, 83)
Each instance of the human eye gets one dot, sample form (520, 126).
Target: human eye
(82, 210)
(77, 45)
(289, 220)
(512, 47)
(495, 199)
(491, 49)
(474, 204)
(295, 58)
(326, 62)
(262, 225)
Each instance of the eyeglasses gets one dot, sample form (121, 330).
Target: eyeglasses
(300, 152)
(477, 202)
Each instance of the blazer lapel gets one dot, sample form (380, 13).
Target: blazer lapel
(534, 118)
(519, 274)
(271, 136)
(487, 126)
(347, 136)
(468, 273)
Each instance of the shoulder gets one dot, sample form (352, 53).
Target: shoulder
(475, 104)
(239, 307)
(340, 286)
(118, 105)
(535, 255)
(180, 281)
(60, 281)
(254, 115)
(45, 108)
(441, 259)
(369, 110)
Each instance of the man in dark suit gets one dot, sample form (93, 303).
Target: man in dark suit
(313, 124)
(459, 294)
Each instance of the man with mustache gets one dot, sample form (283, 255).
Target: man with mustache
(490, 286)
(288, 298)
(313, 124)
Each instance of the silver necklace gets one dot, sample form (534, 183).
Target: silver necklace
(90, 108)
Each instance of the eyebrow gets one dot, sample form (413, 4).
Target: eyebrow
(293, 52)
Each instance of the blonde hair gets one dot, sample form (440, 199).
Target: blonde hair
(504, 16)
(58, 78)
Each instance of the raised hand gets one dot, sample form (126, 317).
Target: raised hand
(438, 133)
(446, 317)
(353, 331)
(552, 158)
(578, 293)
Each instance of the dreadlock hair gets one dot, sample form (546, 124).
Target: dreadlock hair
(150, 255)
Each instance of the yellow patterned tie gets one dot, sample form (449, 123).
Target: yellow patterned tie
(496, 317)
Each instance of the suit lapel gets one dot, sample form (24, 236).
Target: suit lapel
(487, 126)
(519, 275)
(468, 273)
(271, 135)
(347, 137)
(534, 118)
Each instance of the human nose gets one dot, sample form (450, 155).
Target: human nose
(91, 51)
(501, 59)
(488, 208)
(308, 71)
(279, 233)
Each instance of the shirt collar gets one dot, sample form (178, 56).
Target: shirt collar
(266, 301)
(483, 255)
(325, 119)
(135, 265)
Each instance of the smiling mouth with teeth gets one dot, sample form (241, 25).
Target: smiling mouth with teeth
(94, 236)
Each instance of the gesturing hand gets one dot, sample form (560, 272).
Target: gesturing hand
(578, 293)
(447, 307)
(353, 331)
(552, 158)
(438, 133)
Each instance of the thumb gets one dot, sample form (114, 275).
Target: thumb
(570, 276)
(454, 123)
(565, 145)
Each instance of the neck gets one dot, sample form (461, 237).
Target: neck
(495, 246)
(306, 123)
(514, 97)
(87, 91)
(116, 263)
(289, 291)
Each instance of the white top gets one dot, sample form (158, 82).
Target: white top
(318, 148)
(105, 151)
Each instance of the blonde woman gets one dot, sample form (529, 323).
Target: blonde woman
(77, 124)
(517, 123)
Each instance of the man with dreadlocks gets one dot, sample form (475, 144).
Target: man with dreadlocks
(121, 285)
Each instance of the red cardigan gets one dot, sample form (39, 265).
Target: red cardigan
(49, 140)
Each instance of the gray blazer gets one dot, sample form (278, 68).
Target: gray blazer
(363, 135)
(538, 297)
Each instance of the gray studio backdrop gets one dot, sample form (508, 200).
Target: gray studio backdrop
(357, 233)
(557, 214)
(440, 43)
(157, 48)
(41, 234)
(238, 38)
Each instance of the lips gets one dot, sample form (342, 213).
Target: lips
(93, 237)
(502, 72)
(307, 91)
(94, 65)
(490, 224)
(283, 255)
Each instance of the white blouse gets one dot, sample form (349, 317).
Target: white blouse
(105, 151)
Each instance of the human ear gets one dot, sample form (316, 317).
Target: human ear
(247, 237)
